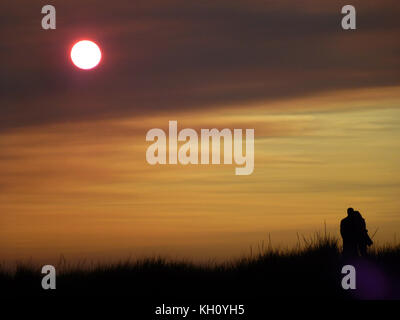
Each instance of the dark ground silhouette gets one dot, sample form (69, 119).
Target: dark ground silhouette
(313, 269)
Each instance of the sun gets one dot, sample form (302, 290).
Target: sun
(85, 54)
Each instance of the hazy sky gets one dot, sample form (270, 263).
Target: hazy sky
(324, 104)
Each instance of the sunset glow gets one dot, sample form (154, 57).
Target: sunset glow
(324, 104)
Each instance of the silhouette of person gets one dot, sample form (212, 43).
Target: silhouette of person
(355, 234)
(363, 238)
(349, 234)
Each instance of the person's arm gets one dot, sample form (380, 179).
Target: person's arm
(364, 225)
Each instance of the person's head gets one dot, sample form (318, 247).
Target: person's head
(350, 211)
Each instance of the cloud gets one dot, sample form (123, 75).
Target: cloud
(188, 56)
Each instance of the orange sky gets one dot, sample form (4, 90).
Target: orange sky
(324, 104)
(85, 190)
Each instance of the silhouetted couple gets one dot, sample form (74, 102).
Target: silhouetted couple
(355, 234)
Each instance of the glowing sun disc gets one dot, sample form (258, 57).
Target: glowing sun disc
(85, 54)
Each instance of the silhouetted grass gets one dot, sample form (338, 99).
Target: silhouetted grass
(310, 269)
